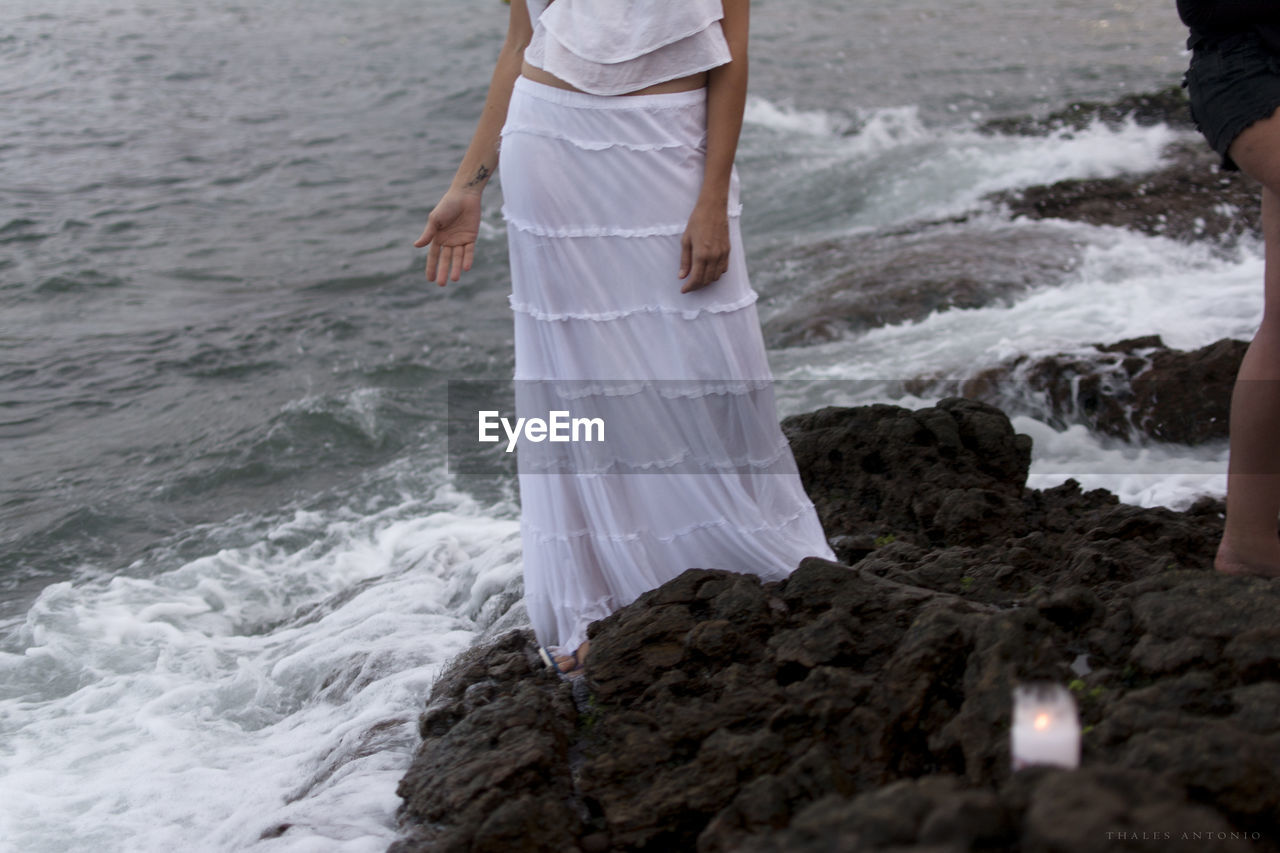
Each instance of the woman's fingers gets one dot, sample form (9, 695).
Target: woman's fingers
(448, 263)
(704, 248)
(442, 271)
(697, 275)
(705, 270)
(455, 266)
(433, 259)
(450, 237)
(427, 233)
(441, 268)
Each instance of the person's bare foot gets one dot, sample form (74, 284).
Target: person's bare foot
(1229, 562)
(574, 664)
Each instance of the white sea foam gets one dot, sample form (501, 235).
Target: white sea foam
(1096, 151)
(1128, 285)
(765, 113)
(1146, 475)
(948, 172)
(1149, 474)
(247, 690)
(886, 166)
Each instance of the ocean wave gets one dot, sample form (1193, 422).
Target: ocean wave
(279, 684)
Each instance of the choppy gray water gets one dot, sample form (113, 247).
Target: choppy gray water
(210, 304)
(222, 374)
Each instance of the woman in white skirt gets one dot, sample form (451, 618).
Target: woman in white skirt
(618, 122)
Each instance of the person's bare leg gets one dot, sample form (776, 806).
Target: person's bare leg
(1249, 542)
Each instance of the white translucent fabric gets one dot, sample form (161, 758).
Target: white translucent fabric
(609, 47)
(694, 471)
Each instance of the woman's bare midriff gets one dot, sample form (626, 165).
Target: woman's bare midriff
(680, 84)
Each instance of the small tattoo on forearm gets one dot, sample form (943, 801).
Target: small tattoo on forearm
(481, 175)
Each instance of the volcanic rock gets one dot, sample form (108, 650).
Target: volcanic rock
(1136, 388)
(1168, 106)
(867, 707)
(1189, 198)
(870, 281)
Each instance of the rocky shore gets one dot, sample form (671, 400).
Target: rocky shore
(1188, 198)
(1138, 389)
(866, 704)
(871, 280)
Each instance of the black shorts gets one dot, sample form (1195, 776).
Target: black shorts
(1232, 83)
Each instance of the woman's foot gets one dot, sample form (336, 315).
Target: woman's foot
(573, 665)
(1231, 562)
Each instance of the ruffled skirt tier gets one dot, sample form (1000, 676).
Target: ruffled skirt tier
(693, 470)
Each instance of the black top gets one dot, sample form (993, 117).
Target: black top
(1213, 20)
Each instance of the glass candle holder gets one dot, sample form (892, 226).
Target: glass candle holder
(1046, 727)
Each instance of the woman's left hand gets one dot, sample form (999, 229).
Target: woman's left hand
(704, 248)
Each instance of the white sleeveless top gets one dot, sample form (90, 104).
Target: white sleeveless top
(611, 47)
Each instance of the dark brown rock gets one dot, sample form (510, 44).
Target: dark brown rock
(1110, 809)
(1168, 106)
(864, 282)
(1186, 396)
(1106, 809)
(1188, 199)
(892, 472)
(1131, 389)
(868, 707)
(894, 276)
(492, 773)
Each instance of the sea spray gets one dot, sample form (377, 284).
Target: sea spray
(283, 683)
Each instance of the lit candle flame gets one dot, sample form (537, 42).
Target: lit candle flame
(1045, 728)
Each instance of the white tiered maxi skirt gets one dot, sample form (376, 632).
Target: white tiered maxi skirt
(694, 470)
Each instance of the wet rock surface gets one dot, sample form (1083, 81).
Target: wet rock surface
(1167, 106)
(491, 773)
(866, 705)
(1135, 389)
(1190, 198)
(870, 280)
(877, 280)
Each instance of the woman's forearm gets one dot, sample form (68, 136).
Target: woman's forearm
(481, 159)
(726, 99)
